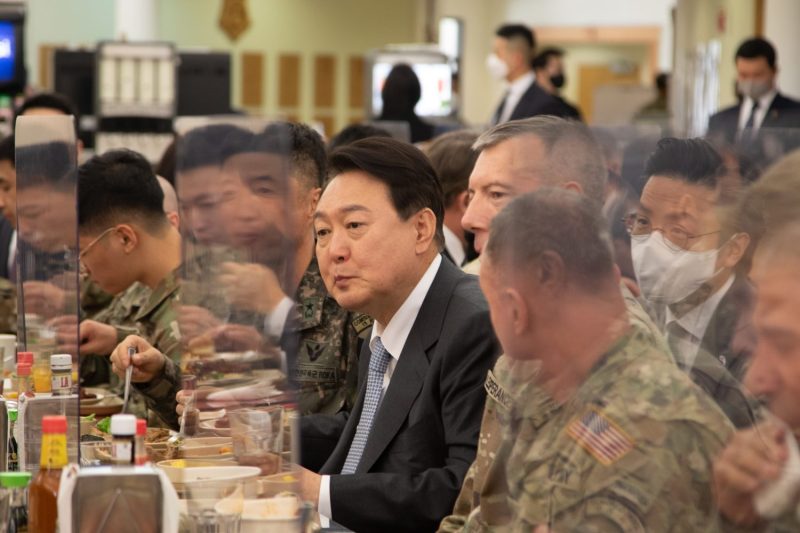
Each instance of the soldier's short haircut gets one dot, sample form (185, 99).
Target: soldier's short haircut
(403, 168)
(307, 151)
(119, 187)
(553, 220)
(453, 159)
(208, 146)
(572, 151)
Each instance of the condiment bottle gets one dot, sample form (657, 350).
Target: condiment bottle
(191, 416)
(123, 434)
(41, 372)
(140, 451)
(16, 483)
(43, 492)
(61, 374)
(24, 380)
(13, 449)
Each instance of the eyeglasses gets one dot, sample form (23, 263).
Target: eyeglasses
(82, 268)
(675, 238)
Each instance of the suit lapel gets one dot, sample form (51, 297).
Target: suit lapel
(409, 374)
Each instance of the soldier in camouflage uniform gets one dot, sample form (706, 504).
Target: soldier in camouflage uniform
(326, 369)
(545, 467)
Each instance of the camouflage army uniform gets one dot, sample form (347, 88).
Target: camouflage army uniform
(120, 313)
(326, 368)
(156, 321)
(94, 300)
(630, 451)
(8, 307)
(485, 481)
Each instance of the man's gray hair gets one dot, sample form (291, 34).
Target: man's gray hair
(559, 221)
(573, 154)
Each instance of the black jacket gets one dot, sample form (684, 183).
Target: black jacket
(535, 101)
(425, 433)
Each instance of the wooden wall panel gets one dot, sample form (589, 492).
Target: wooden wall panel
(329, 124)
(356, 82)
(252, 79)
(289, 80)
(324, 81)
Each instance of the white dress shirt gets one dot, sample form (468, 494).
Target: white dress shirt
(763, 106)
(454, 246)
(695, 322)
(515, 91)
(393, 336)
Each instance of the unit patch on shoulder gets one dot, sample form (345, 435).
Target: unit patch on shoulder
(599, 436)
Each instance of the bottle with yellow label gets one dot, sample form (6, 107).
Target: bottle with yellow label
(43, 490)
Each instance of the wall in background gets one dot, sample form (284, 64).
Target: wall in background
(299, 31)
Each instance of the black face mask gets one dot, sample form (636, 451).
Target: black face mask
(558, 80)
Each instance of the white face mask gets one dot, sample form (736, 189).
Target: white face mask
(755, 89)
(667, 276)
(497, 68)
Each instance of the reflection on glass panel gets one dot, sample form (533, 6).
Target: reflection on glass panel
(47, 277)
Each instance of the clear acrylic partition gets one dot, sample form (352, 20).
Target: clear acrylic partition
(236, 204)
(47, 279)
(686, 281)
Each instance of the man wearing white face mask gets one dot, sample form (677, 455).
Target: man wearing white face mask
(762, 106)
(510, 61)
(691, 263)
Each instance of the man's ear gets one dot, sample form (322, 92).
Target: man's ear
(517, 310)
(425, 227)
(734, 250)
(128, 236)
(549, 272)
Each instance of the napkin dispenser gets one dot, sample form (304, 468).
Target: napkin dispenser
(29, 430)
(116, 499)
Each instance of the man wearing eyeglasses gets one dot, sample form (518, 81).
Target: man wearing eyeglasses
(691, 262)
(125, 237)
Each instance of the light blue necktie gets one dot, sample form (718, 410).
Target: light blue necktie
(372, 399)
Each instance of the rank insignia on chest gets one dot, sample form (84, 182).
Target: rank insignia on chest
(599, 436)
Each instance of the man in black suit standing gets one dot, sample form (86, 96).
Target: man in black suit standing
(510, 61)
(762, 106)
(397, 460)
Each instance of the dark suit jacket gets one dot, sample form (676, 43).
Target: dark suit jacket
(726, 348)
(534, 101)
(6, 231)
(425, 433)
(783, 114)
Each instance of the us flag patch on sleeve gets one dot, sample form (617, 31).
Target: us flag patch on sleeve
(599, 436)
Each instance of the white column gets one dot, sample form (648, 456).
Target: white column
(135, 20)
(780, 27)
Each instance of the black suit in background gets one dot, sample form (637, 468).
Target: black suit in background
(424, 436)
(778, 134)
(6, 231)
(725, 350)
(535, 101)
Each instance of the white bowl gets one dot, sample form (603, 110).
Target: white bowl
(202, 474)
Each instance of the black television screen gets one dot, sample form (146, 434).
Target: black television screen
(12, 51)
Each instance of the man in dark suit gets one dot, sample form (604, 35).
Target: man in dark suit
(8, 206)
(510, 61)
(763, 111)
(399, 457)
(548, 66)
(691, 263)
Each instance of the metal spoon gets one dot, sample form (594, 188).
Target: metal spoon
(128, 374)
(189, 384)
